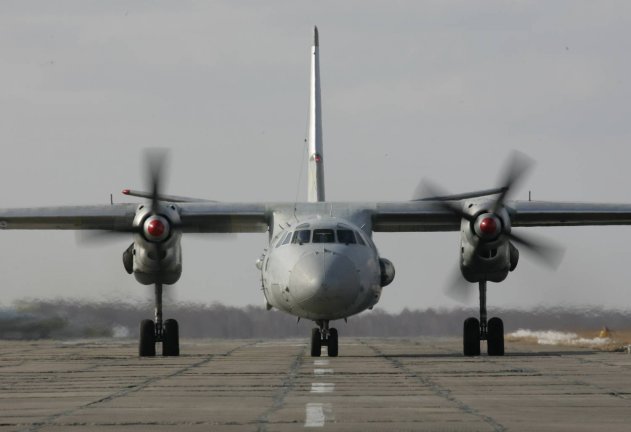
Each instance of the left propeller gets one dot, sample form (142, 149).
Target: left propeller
(155, 227)
(155, 168)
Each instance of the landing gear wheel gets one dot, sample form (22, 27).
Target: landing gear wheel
(332, 342)
(316, 342)
(170, 338)
(495, 337)
(147, 344)
(471, 337)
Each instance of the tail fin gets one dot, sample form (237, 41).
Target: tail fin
(315, 173)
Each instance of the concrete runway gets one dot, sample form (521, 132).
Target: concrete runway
(248, 385)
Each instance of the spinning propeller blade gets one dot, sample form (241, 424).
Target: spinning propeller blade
(429, 189)
(154, 171)
(458, 288)
(547, 253)
(518, 166)
(543, 251)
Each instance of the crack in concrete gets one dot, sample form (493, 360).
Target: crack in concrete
(565, 380)
(128, 390)
(603, 390)
(440, 391)
(286, 386)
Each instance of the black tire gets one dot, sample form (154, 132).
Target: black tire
(316, 342)
(147, 343)
(495, 337)
(171, 338)
(471, 337)
(332, 343)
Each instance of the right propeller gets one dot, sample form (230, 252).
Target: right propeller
(490, 223)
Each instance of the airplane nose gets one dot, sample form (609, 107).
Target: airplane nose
(322, 281)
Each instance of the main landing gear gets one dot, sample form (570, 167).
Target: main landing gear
(478, 330)
(323, 335)
(152, 332)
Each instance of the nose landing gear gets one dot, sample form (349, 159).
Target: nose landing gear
(324, 336)
(478, 330)
(152, 332)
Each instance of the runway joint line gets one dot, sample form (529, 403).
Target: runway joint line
(128, 390)
(439, 390)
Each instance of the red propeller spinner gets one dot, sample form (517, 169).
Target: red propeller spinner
(156, 228)
(488, 226)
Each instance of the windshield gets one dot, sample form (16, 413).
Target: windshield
(346, 236)
(301, 236)
(323, 236)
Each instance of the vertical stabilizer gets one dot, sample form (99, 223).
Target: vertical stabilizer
(315, 172)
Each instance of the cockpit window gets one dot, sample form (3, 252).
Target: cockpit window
(360, 240)
(287, 238)
(301, 236)
(346, 236)
(323, 236)
(283, 238)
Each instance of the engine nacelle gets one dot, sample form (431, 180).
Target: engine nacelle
(128, 259)
(485, 252)
(156, 252)
(387, 271)
(514, 256)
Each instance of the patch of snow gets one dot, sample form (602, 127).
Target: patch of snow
(551, 337)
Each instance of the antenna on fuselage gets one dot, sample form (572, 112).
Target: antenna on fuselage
(315, 169)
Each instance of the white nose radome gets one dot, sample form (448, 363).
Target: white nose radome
(322, 281)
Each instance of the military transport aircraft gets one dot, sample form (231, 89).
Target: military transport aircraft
(321, 263)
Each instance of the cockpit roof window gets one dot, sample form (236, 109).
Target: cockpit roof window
(346, 236)
(323, 236)
(302, 226)
(301, 236)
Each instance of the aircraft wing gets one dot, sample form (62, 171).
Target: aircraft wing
(100, 217)
(431, 216)
(413, 216)
(217, 217)
(544, 213)
(208, 217)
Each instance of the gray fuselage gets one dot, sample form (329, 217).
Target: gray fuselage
(322, 269)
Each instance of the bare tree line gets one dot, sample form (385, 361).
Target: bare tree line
(37, 319)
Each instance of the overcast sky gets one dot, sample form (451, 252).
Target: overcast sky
(419, 89)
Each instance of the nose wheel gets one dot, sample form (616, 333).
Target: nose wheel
(476, 330)
(152, 332)
(324, 336)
